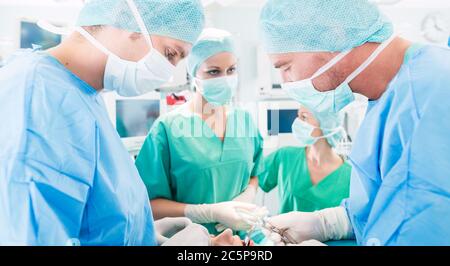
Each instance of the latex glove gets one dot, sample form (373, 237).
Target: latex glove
(325, 225)
(247, 196)
(192, 235)
(310, 243)
(225, 213)
(168, 227)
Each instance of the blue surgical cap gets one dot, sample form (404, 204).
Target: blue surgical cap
(178, 19)
(212, 41)
(321, 25)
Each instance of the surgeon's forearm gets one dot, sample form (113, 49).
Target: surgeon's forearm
(163, 208)
(254, 181)
(249, 194)
(336, 224)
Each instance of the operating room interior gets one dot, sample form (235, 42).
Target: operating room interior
(422, 21)
(25, 24)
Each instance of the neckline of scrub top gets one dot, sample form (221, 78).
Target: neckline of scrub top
(89, 89)
(324, 180)
(228, 112)
(226, 144)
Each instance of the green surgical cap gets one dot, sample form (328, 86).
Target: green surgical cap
(212, 41)
(321, 25)
(178, 19)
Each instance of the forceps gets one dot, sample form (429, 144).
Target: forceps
(285, 236)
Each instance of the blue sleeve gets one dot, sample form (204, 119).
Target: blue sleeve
(426, 187)
(47, 169)
(428, 183)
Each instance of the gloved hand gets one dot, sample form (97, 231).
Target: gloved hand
(168, 227)
(226, 213)
(311, 243)
(325, 225)
(248, 196)
(192, 235)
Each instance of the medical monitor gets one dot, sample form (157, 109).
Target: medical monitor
(31, 35)
(134, 117)
(275, 119)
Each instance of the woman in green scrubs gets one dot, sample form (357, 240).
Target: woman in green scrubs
(202, 160)
(310, 177)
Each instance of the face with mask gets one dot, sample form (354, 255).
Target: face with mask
(316, 81)
(212, 67)
(217, 79)
(309, 128)
(137, 63)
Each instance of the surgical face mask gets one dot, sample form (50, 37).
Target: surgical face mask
(129, 78)
(303, 133)
(332, 101)
(218, 91)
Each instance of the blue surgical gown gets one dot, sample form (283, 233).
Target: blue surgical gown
(65, 177)
(400, 184)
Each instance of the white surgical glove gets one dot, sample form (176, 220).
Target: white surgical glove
(310, 243)
(168, 227)
(192, 235)
(248, 196)
(325, 225)
(181, 232)
(226, 213)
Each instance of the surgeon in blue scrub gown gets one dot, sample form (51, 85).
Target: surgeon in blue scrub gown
(400, 186)
(65, 177)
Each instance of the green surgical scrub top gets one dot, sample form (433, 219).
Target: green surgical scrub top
(288, 169)
(184, 161)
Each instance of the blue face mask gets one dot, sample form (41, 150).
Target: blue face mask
(218, 91)
(331, 101)
(303, 133)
